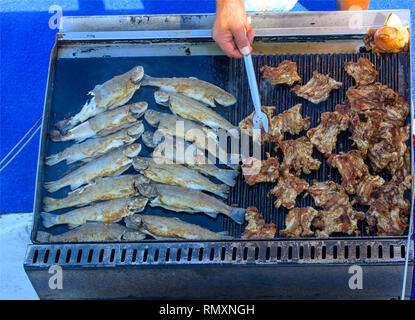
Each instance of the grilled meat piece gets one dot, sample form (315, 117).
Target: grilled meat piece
(389, 150)
(324, 136)
(257, 228)
(286, 72)
(351, 167)
(288, 188)
(389, 211)
(366, 187)
(298, 155)
(257, 171)
(401, 174)
(362, 133)
(363, 71)
(338, 214)
(298, 222)
(290, 121)
(247, 125)
(318, 88)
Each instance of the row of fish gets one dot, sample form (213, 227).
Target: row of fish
(105, 132)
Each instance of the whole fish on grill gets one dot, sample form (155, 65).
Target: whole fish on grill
(193, 88)
(202, 137)
(103, 124)
(95, 147)
(170, 173)
(93, 231)
(181, 199)
(108, 188)
(192, 109)
(106, 211)
(172, 228)
(109, 95)
(182, 152)
(110, 164)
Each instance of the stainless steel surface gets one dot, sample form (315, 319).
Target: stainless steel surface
(311, 269)
(198, 26)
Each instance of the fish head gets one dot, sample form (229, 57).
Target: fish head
(140, 163)
(138, 108)
(137, 74)
(133, 222)
(148, 190)
(152, 117)
(132, 150)
(137, 204)
(133, 235)
(225, 99)
(162, 97)
(139, 179)
(136, 129)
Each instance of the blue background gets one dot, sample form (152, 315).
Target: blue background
(26, 42)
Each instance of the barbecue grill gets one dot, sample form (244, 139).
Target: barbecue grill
(91, 48)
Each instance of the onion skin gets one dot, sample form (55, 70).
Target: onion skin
(391, 39)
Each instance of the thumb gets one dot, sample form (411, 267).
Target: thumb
(242, 41)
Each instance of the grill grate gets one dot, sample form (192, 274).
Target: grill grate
(391, 68)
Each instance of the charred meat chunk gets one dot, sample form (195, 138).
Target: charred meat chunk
(351, 167)
(318, 88)
(363, 71)
(366, 187)
(288, 188)
(286, 72)
(298, 222)
(324, 136)
(257, 228)
(298, 155)
(257, 171)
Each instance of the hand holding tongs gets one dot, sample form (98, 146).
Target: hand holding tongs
(259, 116)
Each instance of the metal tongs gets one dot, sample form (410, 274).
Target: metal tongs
(259, 116)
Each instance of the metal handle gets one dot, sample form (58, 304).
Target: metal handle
(252, 83)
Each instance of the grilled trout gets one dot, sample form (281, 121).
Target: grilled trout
(103, 124)
(93, 231)
(106, 211)
(164, 227)
(108, 188)
(183, 152)
(109, 95)
(95, 147)
(181, 199)
(197, 89)
(202, 137)
(192, 109)
(110, 164)
(177, 174)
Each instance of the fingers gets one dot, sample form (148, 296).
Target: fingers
(242, 41)
(250, 34)
(225, 40)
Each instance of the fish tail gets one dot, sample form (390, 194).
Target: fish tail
(222, 191)
(50, 204)
(49, 219)
(238, 215)
(228, 177)
(42, 236)
(53, 186)
(53, 159)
